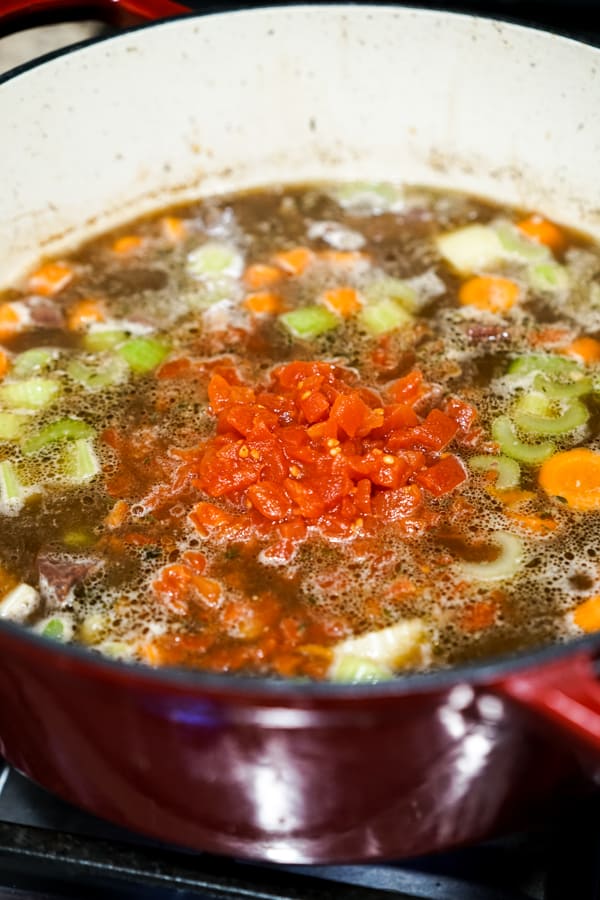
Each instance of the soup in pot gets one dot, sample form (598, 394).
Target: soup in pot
(329, 432)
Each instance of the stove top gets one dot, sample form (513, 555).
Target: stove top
(49, 850)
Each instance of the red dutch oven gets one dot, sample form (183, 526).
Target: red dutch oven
(296, 773)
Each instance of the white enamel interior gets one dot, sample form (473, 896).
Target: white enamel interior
(289, 94)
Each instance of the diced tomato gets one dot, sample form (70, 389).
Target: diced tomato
(461, 412)
(443, 476)
(354, 416)
(362, 496)
(407, 389)
(294, 530)
(392, 505)
(310, 505)
(270, 500)
(440, 427)
(315, 406)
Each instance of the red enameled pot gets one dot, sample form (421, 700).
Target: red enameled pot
(254, 768)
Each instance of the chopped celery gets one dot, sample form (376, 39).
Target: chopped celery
(107, 373)
(32, 361)
(401, 644)
(508, 473)
(544, 421)
(61, 430)
(471, 248)
(561, 390)
(80, 462)
(383, 316)
(58, 628)
(388, 288)
(547, 363)
(143, 354)
(506, 564)
(356, 669)
(214, 260)
(20, 603)
(515, 244)
(35, 393)
(12, 425)
(309, 321)
(12, 491)
(97, 341)
(535, 403)
(548, 277)
(531, 454)
(372, 196)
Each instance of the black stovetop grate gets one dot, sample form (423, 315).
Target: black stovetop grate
(49, 850)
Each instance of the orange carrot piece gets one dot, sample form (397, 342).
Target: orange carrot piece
(117, 514)
(511, 496)
(586, 348)
(342, 300)
(173, 228)
(264, 302)
(573, 475)
(478, 616)
(549, 335)
(544, 232)
(587, 614)
(489, 292)
(535, 524)
(4, 364)
(294, 261)
(345, 258)
(83, 313)
(261, 275)
(50, 278)
(127, 244)
(10, 321)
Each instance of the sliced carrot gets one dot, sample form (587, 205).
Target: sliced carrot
(264, 302)
(83, 313)
(4, 364)
(173, 228)
(511, 496)
(489, 292)
(152, 654)
(573, 476)
(261, 275)
(117, 514)
(346, 258)
(294, 261)
(544, 232)
(342, 300)
(587, 615)
(549, 335)
(10, 321)
(586, 348)
(127, 244)
(536, 524)
(478, 616)
(50, 278)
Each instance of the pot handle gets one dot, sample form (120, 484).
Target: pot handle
(18, 14)
(567, 695)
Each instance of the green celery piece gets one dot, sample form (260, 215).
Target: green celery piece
(61, 430)
(532, 422)
(80, 462)
(109, 372)
(505, 566)
(514, 243)
(213, 260)
(548, 277)
(12, 425)
(309, 321)
(546, 363)
(532, 454)
(11, 489)
(508, 471)
(32, 361)
(388, 288)
(143, 354)
(97, 341)
(383, 316)
(34, 393)
(356, 669)
(535, 403)
(560, 390)
(54, 629)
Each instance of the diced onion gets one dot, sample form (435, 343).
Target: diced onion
(471, 248)
(20, 603)
(390, 648)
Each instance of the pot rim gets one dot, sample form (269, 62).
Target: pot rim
(191, 680)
